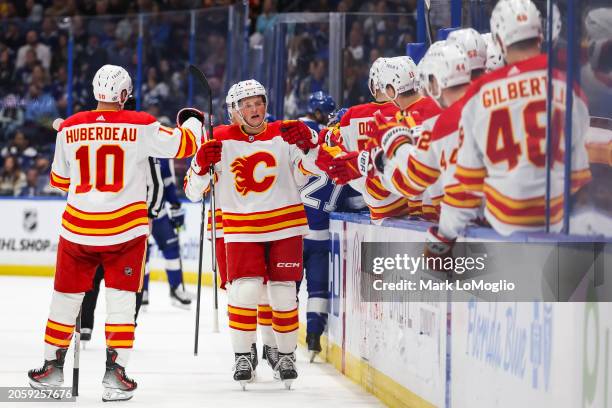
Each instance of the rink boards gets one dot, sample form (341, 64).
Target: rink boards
(462, 354)
(412, 354)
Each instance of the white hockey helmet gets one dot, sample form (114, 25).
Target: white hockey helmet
(400, 73)
(423, 68)
(109, 82)
(374, 75)
(450, 66)
(513, 21)
(230, 99)
(495, 59)
(247, 89)
(473, 44)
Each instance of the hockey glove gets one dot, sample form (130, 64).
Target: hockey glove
(391, 134)
(187, 113)
(177, 215)
(438, 251)
(208, 154)
(351, 166)
(295, 132)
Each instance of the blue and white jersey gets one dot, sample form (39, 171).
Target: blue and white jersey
(169, 181)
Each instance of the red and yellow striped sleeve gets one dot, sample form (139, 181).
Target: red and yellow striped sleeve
(375, 188)
(187, 145)
(57, 181)
(421, 174)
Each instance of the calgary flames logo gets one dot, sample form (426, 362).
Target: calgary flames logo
(244, 173)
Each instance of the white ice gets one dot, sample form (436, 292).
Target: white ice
(162, 362)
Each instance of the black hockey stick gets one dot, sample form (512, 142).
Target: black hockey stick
(428, 22)
(201, 78)
(77, 353)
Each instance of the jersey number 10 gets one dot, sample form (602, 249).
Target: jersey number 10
(102, 155)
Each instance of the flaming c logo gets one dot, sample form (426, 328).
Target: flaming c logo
(244, 173)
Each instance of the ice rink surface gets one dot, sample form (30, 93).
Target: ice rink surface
(162, 362)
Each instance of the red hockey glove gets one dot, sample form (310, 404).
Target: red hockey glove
(351, 166)
(390, 134)
(439, 250)
(295, 132)
(187, 113)
(208, 154)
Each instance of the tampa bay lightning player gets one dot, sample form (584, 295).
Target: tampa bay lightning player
(320, 105)
(164, 232)
(321, 196)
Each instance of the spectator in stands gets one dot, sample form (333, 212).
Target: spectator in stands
(315, 81)
(48, 34)
(11, 116)
(41, 51)
(20, 149)
(31, 189)
(152, 88)
(267, 17)
(23, 75)
(11, 37)
(6, 69)
(35, 11)
(355, 46)
(12, 179)
(40, 107)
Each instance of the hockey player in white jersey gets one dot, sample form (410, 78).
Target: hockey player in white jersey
(105, 221)
(503, 152)
(263, 222)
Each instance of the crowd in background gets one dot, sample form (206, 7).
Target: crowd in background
(34, 56)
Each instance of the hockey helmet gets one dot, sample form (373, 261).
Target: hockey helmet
(449, 65)
(109, 82)
(495, 58)
(336, 116)
(374, 75)
(400, 73)
(513, 21)
(247, 89)
(473, 44)
(320, 101)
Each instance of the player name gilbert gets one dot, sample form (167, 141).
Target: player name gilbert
(106, 133)
(442, 286)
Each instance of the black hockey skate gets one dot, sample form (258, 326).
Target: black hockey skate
(286, 368)
(243, 369)
(270, 354)
(117, 386)
(254, 357)
(145, 298)
(51, 374)
(313, 340)
(180, 298)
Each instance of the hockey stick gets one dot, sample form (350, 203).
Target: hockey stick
(428, 22)
(77, 354)
(201, 78)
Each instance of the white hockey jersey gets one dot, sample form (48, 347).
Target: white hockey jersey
(503, 152)
(259, 177)
(101, 160)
